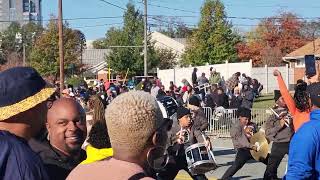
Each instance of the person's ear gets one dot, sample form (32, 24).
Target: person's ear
(157, 139)
(48, 126)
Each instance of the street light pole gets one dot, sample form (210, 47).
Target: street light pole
(60, 26)
(145, 39)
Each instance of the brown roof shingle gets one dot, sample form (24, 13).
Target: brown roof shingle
(309, 48)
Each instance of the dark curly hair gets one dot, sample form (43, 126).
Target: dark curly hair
(98, 136)
(301, 97)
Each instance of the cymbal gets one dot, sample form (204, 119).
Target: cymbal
(263, 150)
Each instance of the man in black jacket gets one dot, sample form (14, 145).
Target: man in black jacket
(66, 126)
(199, 118)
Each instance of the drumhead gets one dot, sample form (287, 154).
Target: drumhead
(202, 167)
(169, 105)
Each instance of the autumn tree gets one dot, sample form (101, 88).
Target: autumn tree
(311, 30)
(278, 35)
(214, 40)
(45, 54)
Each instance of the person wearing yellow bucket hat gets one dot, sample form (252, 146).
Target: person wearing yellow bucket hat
(24, 100)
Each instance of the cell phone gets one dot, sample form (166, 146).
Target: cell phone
(310, 62)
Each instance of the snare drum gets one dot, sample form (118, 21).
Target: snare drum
(199, 160)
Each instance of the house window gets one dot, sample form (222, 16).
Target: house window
(12, 4)
(300, 63)
(33, 18)
(32, 7)
(25, 5)
(12, 15)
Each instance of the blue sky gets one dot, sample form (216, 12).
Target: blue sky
(237, 8)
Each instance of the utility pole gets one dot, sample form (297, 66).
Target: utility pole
(145, 39)
(60, 26)
(24, 54)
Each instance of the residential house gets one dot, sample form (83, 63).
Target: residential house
(161, 41)
(296, 58)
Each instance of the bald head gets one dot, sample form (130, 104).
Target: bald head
(66, 125)
(64, 106)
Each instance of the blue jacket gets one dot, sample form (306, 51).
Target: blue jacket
(304, 152)
(18, 161)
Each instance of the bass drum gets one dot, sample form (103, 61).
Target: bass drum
(168, 107)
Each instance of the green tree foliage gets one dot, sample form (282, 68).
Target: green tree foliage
(12, 46)
(75, 81)
(99, 44)
(167, 58)
(45, 54)
(214, 41)
(9, 43)
(131, 34)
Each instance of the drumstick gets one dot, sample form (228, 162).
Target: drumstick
(211, 153)
(285, 122)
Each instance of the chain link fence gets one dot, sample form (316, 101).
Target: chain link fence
(220, 120)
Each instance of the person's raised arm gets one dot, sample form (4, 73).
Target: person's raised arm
(285, 93)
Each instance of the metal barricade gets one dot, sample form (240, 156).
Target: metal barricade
(208, 112)
(221, 120)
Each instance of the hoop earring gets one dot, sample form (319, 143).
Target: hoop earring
(159, 161)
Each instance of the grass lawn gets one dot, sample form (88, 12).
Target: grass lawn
(264, 101)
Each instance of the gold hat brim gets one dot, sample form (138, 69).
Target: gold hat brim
(8, 111)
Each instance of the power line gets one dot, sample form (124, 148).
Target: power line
(168, 16)
(261, 18)
(97, 25)
(174, 16)
(107, 2)
(271, 6)
(175, 9)
(68, 19)
(92, 18)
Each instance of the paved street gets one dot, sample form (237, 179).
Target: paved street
(225, 155)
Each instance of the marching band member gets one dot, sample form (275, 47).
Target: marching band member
(199, 118)
(240, 133)
(178, 144)
(278, 128)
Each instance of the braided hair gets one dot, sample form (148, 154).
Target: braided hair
(301, 97)
(96, 104)
(98, 136)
